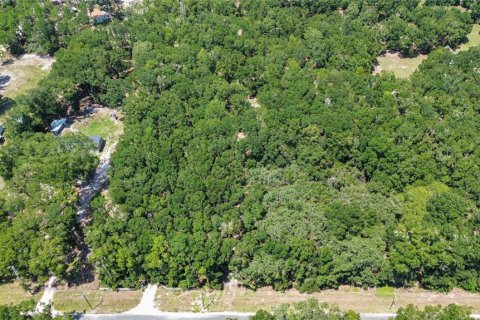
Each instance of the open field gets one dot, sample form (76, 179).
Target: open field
(17, 76)
(12, 293)
(101, 126)
(95, 301)
(243, 300)
(23, 74)
(473, 39)
(401, 67)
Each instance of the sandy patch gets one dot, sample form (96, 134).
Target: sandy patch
(22, 74)
(253, 102)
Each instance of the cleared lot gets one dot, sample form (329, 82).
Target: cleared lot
(401, 67)
(365, 301)
(19, 75)
(12, 293)
(95, 301)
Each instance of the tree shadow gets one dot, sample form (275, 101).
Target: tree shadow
(85, 271)
(7, 62)
(4, 80)
(5, 105)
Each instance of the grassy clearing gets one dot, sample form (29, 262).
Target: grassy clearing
(401, 67)
(20, 75)
(243, 300)
(96, 301)
(24, 74)
(473, 39)
(12, 293)
(385, 292)
(100, 126)
(99, 123)
(178, 300)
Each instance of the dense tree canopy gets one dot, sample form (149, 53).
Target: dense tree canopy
(37, 220)
(449, 312)
(258, 146)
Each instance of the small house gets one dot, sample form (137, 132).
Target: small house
(98, 15)
(57, 126)
(99, 142)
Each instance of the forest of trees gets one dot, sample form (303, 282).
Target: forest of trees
(43, 27)
(336, 177)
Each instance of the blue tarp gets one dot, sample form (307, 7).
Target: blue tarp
(57, 126)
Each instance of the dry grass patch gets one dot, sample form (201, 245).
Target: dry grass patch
(242, 300)
(12, 293)
(23, 74)
(401, 67)
(96, 301)
(177, 300)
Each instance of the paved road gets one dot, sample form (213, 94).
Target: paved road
(171, 316)
(216, 316)
(377, 316)
(209, 316)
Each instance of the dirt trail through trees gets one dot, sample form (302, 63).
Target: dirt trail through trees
(98, 182)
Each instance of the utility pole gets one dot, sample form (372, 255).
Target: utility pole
(394, 301)
(106, 269)
(14, 270)
(17, 275)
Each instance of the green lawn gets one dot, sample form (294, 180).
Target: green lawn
(101, 126)
(385, 292)
(12, 293)
(473, 39)
(401, 67)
